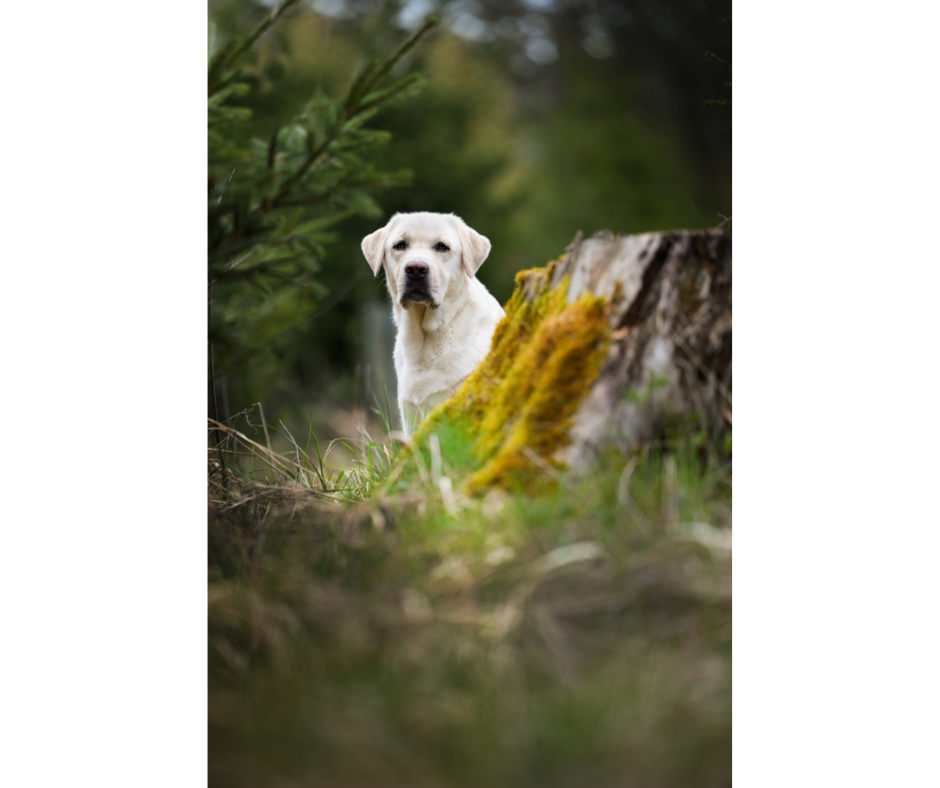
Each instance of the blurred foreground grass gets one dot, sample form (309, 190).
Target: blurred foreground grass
(409, 635)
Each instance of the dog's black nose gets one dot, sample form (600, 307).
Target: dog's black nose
(417, 269)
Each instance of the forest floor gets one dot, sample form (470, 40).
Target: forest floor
(397, 632)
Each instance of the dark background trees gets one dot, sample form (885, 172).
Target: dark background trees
(531, 129)
(539, 118)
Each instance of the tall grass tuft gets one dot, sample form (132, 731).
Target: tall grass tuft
(243, 471)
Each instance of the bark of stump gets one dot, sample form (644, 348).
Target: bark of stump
(670, 296)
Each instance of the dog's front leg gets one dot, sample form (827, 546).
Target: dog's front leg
(411, 415)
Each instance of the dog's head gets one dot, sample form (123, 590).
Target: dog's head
(425, 255)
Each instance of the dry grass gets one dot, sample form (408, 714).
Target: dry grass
(243, 471)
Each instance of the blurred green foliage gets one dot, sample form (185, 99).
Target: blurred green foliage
(272, 201)
(602, 137)
(415, 637)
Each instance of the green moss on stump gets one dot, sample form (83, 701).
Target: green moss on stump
(522, 398)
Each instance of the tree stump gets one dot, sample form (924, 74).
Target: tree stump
(670, 352)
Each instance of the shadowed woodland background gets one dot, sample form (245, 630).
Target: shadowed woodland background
(460, 611)
(539, 118)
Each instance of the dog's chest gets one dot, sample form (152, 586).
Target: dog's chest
(428, 362)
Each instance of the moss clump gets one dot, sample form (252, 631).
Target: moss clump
(517, 406)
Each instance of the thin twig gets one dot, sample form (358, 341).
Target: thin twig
(302, 490)
(264, 424)
(234, 263)
(274, 459)
(541, 463)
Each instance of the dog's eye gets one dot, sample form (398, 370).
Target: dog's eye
(442, 247)
(400, 245)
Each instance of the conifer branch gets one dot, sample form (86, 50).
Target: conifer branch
(214, 62)
(354, 108)
(312, 160)
(338, 296)
(392, 92)
(429, 24)
(223, 64)
(355, 90)
(312, 156)
(723, 103)
(720, 61)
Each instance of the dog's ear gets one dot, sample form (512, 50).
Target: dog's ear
(476, 247)
(373, 247)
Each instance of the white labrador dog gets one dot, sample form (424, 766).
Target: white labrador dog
(444, 314)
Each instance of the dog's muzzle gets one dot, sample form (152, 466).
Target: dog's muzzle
(416, 287)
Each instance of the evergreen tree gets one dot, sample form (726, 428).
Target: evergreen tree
(272, 202)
